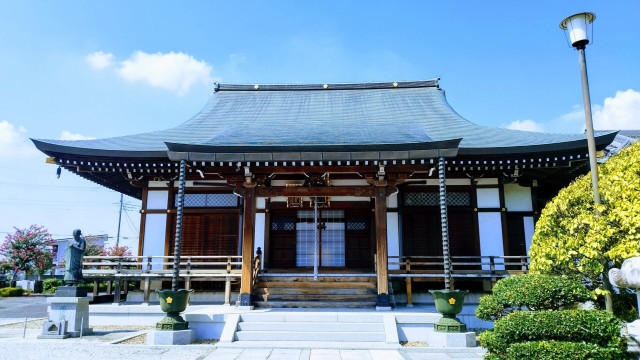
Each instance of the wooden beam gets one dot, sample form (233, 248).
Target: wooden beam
(361, 191)
(248, 223)
(381, 245)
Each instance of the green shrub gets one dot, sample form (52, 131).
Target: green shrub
(49, 286)
(556, 350)
(591, 326)
(11, 291)
(532, 292)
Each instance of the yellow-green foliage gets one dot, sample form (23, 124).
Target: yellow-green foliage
(569, 239)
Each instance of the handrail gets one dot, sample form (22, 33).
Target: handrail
(485, 268)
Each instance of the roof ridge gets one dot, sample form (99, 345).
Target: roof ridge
(328, 86)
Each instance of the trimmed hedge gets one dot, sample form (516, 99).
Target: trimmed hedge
(532, 292)
(11, 292)
(49, 286)
(556, 350)
(591, 326)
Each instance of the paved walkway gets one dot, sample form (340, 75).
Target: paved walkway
(81, 349)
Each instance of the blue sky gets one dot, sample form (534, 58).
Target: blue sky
(99, 69)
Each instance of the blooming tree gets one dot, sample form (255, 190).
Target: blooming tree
(28, 250)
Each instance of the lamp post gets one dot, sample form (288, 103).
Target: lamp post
(578, 27)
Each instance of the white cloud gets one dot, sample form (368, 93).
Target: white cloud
(621, 112)
(67, 135)
(525, 125)
(173, 71)
(100, 60)
(13, 142)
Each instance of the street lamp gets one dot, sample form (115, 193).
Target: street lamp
(579, 26)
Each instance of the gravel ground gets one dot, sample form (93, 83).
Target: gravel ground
(414, 344)
(31, 324)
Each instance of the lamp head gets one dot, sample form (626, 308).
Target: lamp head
(578, 27)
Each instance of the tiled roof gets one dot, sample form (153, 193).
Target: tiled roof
(323, 117)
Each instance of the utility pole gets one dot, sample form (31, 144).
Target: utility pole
(119, 221)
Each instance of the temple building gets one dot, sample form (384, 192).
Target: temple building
(334, 179)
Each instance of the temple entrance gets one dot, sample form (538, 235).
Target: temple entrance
(343, 236)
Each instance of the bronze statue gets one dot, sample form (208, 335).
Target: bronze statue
(73, 258)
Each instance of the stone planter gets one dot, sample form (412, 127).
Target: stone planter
(449, 304)
(173, 302)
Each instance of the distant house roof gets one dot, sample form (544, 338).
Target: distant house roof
(288, 122)
(623, 139)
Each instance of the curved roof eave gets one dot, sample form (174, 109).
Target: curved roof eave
(446, 148)
(52, 149)
(601, 142)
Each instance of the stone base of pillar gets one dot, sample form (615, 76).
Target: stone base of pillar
(244, 299)
(383, 302)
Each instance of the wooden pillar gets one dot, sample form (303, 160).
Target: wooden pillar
(248, 222)
(381, 246)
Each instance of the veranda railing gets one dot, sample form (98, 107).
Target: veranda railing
(148, 268)
(489, 268)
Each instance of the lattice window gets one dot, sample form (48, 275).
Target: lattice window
(194, 200)
(433, 199)
(357, 223)
(421, 199)
(283, 223)
(222, 200)
(209, 200)
(458, 199)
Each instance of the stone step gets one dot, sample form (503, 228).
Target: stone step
(316, 297)
(311, 327)
(305, 284)
(315, 317)
(310, 345)
(316, 291)
(315, 304)
(341, 336)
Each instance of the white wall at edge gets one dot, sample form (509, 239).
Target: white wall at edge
(154, 234)
(529, 227)
(258, 235)
(491, 242)
(393, 242)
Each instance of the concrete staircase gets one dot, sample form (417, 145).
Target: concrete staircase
(311, 329)
(274, 291)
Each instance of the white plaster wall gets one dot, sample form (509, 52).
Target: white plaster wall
(345, 198)
(261, 203)
(491, 242)
(349, 182)
(487, 181)
(154, 233)
(529, 227)
(158, 184)
(392, 201)
(393, 240)
(517, 198)
(258, 234)
(157, 200)
(448, 182)
(488, 198)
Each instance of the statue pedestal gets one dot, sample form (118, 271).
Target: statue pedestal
(70, 291)
(171, 337)
(75, 310)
